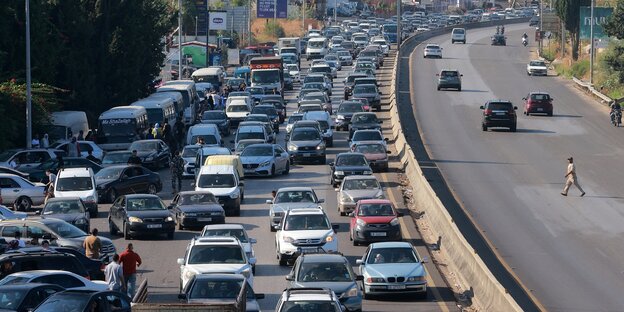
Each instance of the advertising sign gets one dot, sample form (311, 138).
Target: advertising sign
(266, 8)
(218, 20)
(600, 17)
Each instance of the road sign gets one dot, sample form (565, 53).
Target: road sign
(266, 8)
(601, 14)
(551, 22)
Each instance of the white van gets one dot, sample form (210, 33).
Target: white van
(317, 48)
(210, 133)
(224, 182)
(119, 126)
(189, 96)
(78, 182)
(458, 35)
(213, 75)
(158, 110)
(65, 124)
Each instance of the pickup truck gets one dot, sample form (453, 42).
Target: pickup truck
(537, 68)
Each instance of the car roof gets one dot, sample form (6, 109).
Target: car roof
(391, 245)
(360, 177)
(324, 257)
(224, 226)
(217, 169)
(35, 273)
(306, 211)
(295, 188)
(132, 196)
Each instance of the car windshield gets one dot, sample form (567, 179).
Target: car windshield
(392, 255)
(190, 151)
(316, 44)
(365, 65)
(320, 69)
(364, 118)
(305, 135)
(235, 82)
(65, 230)
(243, 144)
(64, 207)
(306, 222)
(65, 302)
(331, 57)
(144, 146)
(367, 136)
(116, 158)
(370, 149)
(214, 289)
(324, 272)
(308, 305)
(206, 254)
(216, 181)
(537, 63)
(351, 160)
(212, 115)
(364, 89)
(260, 118)
(350, 108)
(360, 184)
(237, 108)
(295, 197)
(238, 233)
(14, 280)
(367, 210)
(10, 299)
(269, 111)
(197, 199)
(449, 74)
(293, 118)
(74, 184)
(143, 204)
(258, 151)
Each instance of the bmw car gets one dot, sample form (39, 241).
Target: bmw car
(264, 160)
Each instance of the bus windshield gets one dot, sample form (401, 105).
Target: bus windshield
(117, 127)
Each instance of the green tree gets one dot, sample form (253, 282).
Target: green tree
(615, 24)
(569, 12)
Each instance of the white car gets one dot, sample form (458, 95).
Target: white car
(21, 193)
(222, 181)
(233, 230)
(85, 147)
(204, 255)
(65, 279)
(304, 228)
(432, 50)
(385, 47)
(537, 68)
(294, 72)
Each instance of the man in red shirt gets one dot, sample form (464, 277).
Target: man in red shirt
(130, 260)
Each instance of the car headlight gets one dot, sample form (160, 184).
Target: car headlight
(320, 146)
(360, 222)
(169, 219)
(89, 199)
(135, 219)
(394, 221)
(339, 172)
(366, 172)
(380, 195)
(375, 280)
(80, 221)
(234, 195)
(329, 238)
(189, 274)
(292, 147)
(340, 117)
(416, 279)
(352, 292)
(345, 198)
(264, 164)
(288, 239)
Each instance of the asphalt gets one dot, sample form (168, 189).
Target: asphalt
(566, 251)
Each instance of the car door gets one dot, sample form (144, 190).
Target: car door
(127, 182)
(117, 302)
(64, 280)
(84, 149)
(119, 212)
(11, 190)
(163, 152)
(281, 157)
(140, 180)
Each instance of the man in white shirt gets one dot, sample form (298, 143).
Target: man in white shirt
(571, 179)
(114, 275)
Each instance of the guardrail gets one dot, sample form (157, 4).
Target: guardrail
(472, 272)
(590, 88)
(141, 293)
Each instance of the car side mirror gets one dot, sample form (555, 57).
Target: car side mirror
(182, 296)
(359, 262)
(290, 277)
(320, 201)
(253, 241)
(462, 75)
(180, 261)
(515, 107)
(268, 201)
(276, 227)
(481, 107)
(359, 277)
(170, 207)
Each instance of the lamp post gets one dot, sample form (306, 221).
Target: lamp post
(28, 82)
(180, 39)
(335, 11)
(398, 24)
(591, 46)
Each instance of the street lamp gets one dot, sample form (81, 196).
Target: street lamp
(28, 80)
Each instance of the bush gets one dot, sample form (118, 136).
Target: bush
(274, 29)
(549, 55)
(580, 69)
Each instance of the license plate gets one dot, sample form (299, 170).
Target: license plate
(154, 226)
(249, 170)
(396, 287)
(307, 154)
(500, 114)
(378, 233)
(540, 109)
(204, 219)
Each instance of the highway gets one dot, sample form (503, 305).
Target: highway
(566, 250)
(159, 255)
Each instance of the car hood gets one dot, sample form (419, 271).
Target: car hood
(218, 268)
(362, 193)
(394, 269)
(352, 168)
(68, 217)
(236, 114)
(378, 156)
(200, 208)
(337, 287)
(305, 143)
(287, 206)
(218, 191)
(377, 219)
(255, 159)
(149, 214)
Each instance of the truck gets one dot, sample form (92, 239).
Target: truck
(66, 124)
(293, 42)
(267, 73)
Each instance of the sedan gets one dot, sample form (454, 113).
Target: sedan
(25, 297)
(348, 164)
(375, 152)
(196, 209)
(306, 143)
(265, 160)
(234, 230)
(355, 188)
(8, 214)
(38, 173)
(116, 158)
(432, 50)
(369, 92)
(287, 198)
(21, 193)
(153, 153)
(538, 103)
(374, 220)
(68, 209)
(140, 214)
(391, 268)
(85, 300)
(219, 118)
(65, 279)
(345, 112)
(127, 179)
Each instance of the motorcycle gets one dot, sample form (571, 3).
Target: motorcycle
(616, 117)
(525, 41)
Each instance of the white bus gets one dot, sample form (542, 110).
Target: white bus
(158, 110)
(119, 126)
(189, 96)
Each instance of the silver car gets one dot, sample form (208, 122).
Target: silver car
(8, 214)
(264, 160)
(288, 198)
(234, 230)
(189, 154)
(355, 188)
(21, 193)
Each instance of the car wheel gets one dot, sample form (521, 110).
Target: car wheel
(111, 228)
(272, 170)
(170, 235)
(151, 189)
(126, 232)
(550, 114)
(287, 169)
(282, 260)
(484, 127)
(112, 195)
(438, 88)
(23, 204)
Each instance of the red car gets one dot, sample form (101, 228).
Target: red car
(374, 220)
(538, 103)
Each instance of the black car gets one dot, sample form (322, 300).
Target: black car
(196, 209)
(86, 301)
(126, 179)
(25, 297)
(364, 121)
(116, 158)
(348, 164)
(219, 118)
(499, 40)
(279, 106)
(68, 209)
(140, 214)
(499, 114)
(38, 173)
(345, 112)
(349, 82)
(94, 267)
(269, 110)
(154, 153)
(18, 261)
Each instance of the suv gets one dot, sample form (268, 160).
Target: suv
(499, 113)
(216, 254)
(449, 79)
(308, 299)
(17, 261)
(304, 228)
(222, 181)
(364, 121)
(348, 164)
(458, 35)
(288, 198)
(78, 182)
(538, 103)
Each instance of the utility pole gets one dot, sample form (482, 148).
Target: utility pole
(28, 82)
(275, 18)
(207, 33)
(591, 46)
(195, 27)
(180, 39)
(398, 24)
(541, 28)
(336, 11)
(304, 12)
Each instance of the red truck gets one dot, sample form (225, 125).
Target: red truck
(267, 72)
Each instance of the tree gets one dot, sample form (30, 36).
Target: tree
(569, 12)
(614, 26)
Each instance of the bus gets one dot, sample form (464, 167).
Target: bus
(119, 126)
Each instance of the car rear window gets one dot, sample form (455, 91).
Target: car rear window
(540, 97)
(449, 74)
(458, 31)
(499, 106)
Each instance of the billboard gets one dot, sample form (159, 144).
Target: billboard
(601, 14)
(218, 20)
(266, 8)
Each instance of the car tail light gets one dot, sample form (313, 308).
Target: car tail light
(488, 111)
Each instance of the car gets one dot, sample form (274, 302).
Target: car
(78, 182)
(385, 47)
(345, 58)
(345, 112)
(116, 158)
(220, 288)
(288, 81)
(257, 93)
(364, 121)
(93, 267)
(376, 153)
(318, 81)
(224, 182)
(293, 70)
(287, 198)
(325, 124)
(369, 92)
(304, 228)
(265, 160)
(449, 79)
(236, 112)
(355, 188)
(499, 114)
(499, 40)
(331, 271)
(391, 268)
(254, 130)
(537, 68)
(85, 301)
(240, 147)
(38, 173)
(347, 164)
(237, 231)
(216, 254)
(308, 299)
(349, 82)
(28, 259)
(291, 121)
(534, 21)
(458, 35)
(333, 59)
(365, 65)
(369, 135)
(21, 193)
(15, 172)
(65, 279)
(126, 179)
(306, 143)
(69, 209)
(137, 214)
(321, 97)
(25, 297)
(196, 209)
(189, 155)
(83, 146)
(538, 103)
(154, 153)
(374, 220)
(219, 118)
(25, 158)
(432, 50)
(372, 54)
(8, 214)
(271, 112)
(258, 120)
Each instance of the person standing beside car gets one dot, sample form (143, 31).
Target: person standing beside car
(92, 245)
(114, 275)
(134, 159)
(176, 166)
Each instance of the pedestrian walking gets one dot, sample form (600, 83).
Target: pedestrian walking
(81, 135)
(73, 149)
(49, 191)
(45, 142)
(210, 101)
(130, 260)
(157, 132)
(150, 132)
(571, 179)
(114, 275)
(134, 159)
(179, 132)
(176, 165)
(92, 245)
